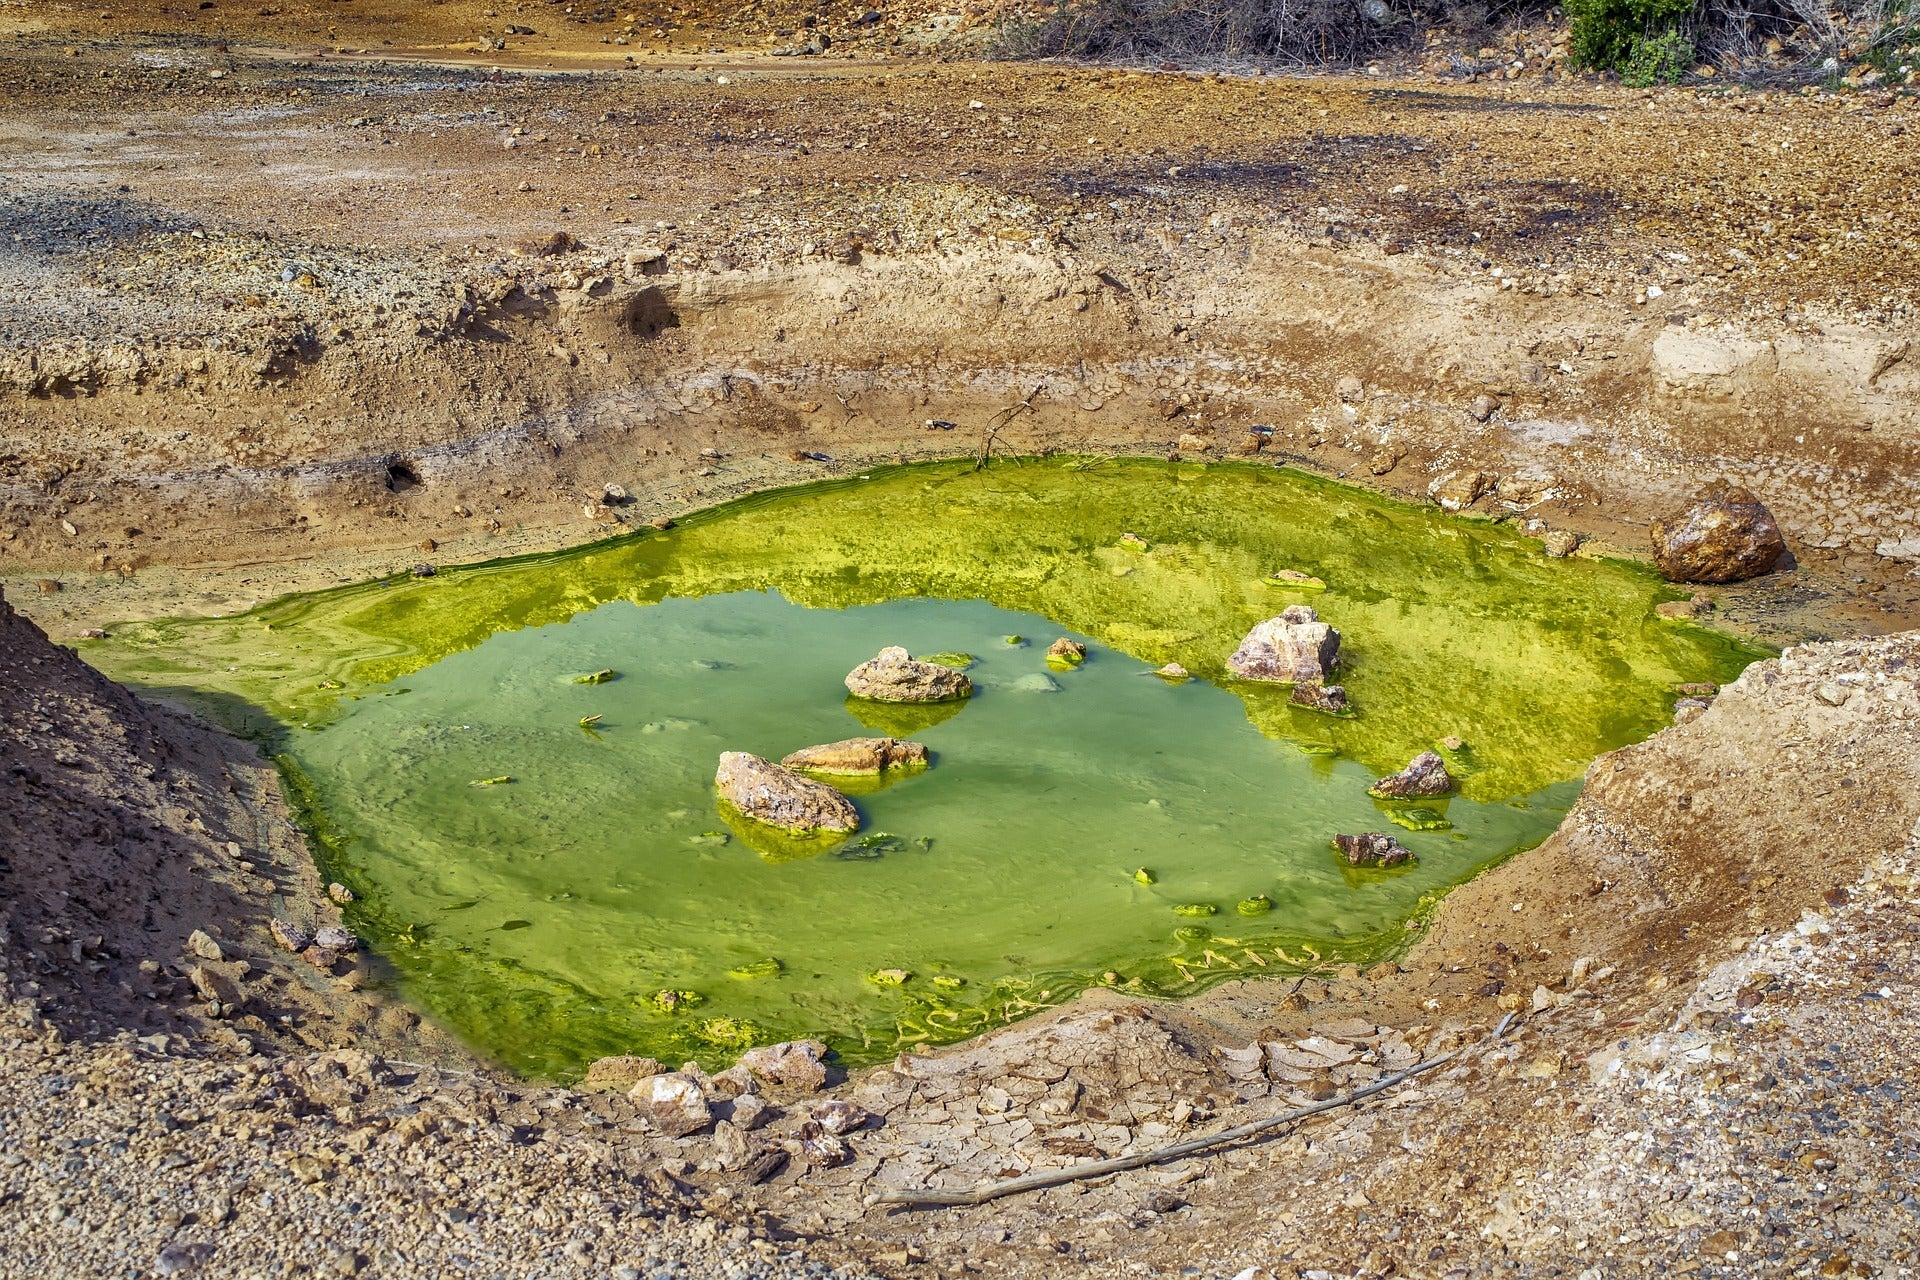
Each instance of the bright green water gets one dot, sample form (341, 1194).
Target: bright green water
(539, 918)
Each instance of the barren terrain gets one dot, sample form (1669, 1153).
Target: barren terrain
(298, 296)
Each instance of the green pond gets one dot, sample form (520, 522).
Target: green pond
(593, 899)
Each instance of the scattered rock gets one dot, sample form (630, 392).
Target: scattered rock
(837, 1115)
(199, 943)
(621, 1072)
(1317, 695)
(1559, 543)
(1381, 461)
(1726, 535)
(858, 756)
(797, 1065)
(215, 988)
(1293, 648)
(334, 938)
(1190, 443)
(895, 676)
(750, 1111)
(822, 1149)
(673, 1103)
(724, 1086)
(1173, 672)
(1350, 389)
(1296, 579)
(1458, 490)
(1483, 407)
(340, 893)
(290, 936)
(424, 570)
(321, 958)
(1687, 710)
(1425, 775)
(765, 792)
(1371, 849)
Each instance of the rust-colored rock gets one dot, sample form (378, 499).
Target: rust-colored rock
(1726, 535)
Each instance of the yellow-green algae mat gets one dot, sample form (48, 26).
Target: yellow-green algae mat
(592, 899)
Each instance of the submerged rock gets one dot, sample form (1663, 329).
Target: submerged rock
(896, 676)
(1292, 648)
(792, 1064)
(859, 756)
(765, 792)
(1425, 775)
(1316, 695)
(1726, 535)
(673, 1103)
(1174, 673)
(1371, 849)
(622, 1071)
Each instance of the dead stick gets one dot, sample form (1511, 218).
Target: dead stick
(1120, 1164)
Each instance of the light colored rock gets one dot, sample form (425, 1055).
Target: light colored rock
(765, 792)
(1350, 389)
(1559, 543)
(1292, 648)
(837, 1115)
(1483, 407)
(199, 943)
(1458, 490)
(794, 1064)
(896, 676)
(858, 756)
(1066, 653)
(1190, 443)
(334, 938)
(673, 1103)
(290, 936)
(750, 1111)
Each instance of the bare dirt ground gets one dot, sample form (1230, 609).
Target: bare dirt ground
(287, 304)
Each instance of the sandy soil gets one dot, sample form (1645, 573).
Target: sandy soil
(287, 305)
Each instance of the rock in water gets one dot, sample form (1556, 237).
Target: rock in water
(1066, 653)
(623, 1071)
(1726, 535)
(1371, 849)
(765, 792)
(673, 1103)
(859, 756)
(793, 1064)
(1293, 648)
(1425, 775)
(895, 676)
(1317, 696)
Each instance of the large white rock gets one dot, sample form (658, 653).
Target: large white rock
(1292, 648)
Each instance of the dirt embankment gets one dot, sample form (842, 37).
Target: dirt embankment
(302, 320)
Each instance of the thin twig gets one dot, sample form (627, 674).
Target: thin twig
(1119, 1164)
(1006, 416)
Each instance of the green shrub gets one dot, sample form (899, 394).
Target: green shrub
(1660, 59)
(1638, 38)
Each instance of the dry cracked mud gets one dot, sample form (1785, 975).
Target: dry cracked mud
(291, 296)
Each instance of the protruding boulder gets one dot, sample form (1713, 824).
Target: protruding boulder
(1458, 490)
(858, 756)
(1066, 653)
(794, 1064)
(837, 1115)
(896, 676)
(1292, 648)
(673, 1103)
(1425, 775)
(763, 791)
(1726, 535)
(1371, 849)
(1317, 695)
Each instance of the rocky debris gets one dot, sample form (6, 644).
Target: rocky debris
(290, 936)
(200, 944)
(1382, 461)
(1687, 710)
(1559, 543)
(765, 792)
(822, 1148)
(858, 756)
(749, 1112)
(896, 676)
(335, 938)
(1066, 652)
(1173, 673)
(340, 893)
(1725, 535)
(734, 1082)
(1295, 647)
(1425, 775)
(1317, 695)
(621, 1072)
(1189, 444)
(424, 570)
(673, 1103)
(797, 1066)
(1483, 407)
(1371, 849)
(1350, 389)
(1458, 490)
